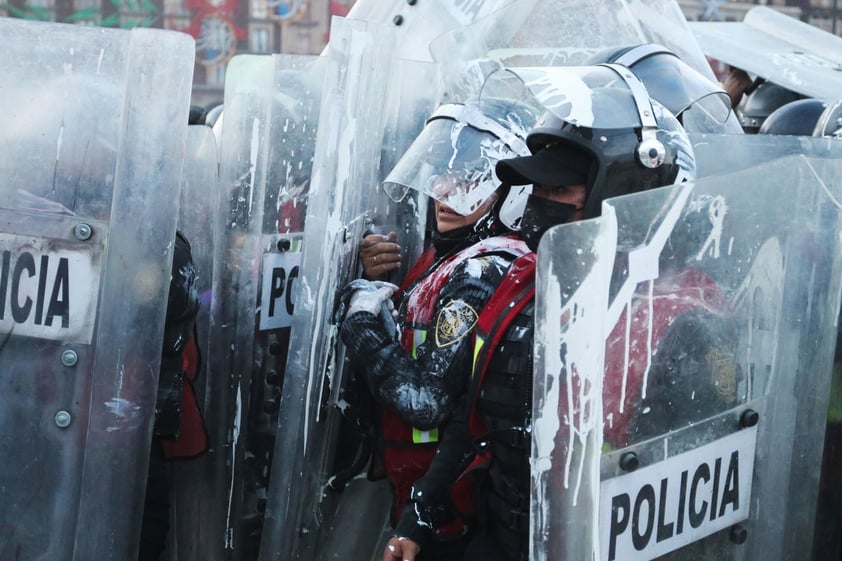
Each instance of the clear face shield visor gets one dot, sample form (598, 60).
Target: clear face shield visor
(453, 159)
(830, 122)
(702, 105)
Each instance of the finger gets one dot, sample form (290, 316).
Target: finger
(388, 267)
(377, 256)
(381, 248)
(386, 258)
(391, 552)
(374, 239)
(408, 549)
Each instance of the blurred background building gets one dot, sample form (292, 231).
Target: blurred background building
(223, 28)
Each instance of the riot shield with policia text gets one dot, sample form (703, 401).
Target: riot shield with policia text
(372, 107)
(91, 164)
(266, 153)
(698, 434)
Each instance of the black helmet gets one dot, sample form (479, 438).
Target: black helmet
(762, 102)
(700, 104)
(830, 121)
(196, 115)
(617, 143)
(796, 118)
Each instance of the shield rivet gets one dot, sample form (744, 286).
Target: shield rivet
(749, 418)
(629, 461)
(62, 419)
(69, 358)
(738, 534)
(83, 232)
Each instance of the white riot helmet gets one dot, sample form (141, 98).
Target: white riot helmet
(453, 158)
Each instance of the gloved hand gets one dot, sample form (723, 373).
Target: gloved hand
(373, 297)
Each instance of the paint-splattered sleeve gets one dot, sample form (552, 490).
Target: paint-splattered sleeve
(422, 389)
(429, 507)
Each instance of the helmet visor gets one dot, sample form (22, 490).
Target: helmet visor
(452, 162)
(588, 96)
(680, 87)
(705, 116)
(830, 121)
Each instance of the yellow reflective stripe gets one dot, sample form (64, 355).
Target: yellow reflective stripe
(418, 337)
(479, 343)
(423, 436)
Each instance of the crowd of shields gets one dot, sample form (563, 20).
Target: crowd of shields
(518, 281)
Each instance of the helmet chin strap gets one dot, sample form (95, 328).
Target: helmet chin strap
(650, 152)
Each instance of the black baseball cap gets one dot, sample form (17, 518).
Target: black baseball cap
(558, 164)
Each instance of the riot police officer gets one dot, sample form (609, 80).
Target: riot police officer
(574, 166)
(415, 375)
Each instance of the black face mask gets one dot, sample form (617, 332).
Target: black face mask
(448, 241)
(540, 215)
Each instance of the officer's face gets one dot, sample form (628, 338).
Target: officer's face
(448, 219)
(568, 194)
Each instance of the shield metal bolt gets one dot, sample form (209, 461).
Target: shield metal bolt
(738, 534)
(270, 406)
(62, 419)
(749, 418)
(69, 358)
(284, 245)
(411, 2)
(629, 461)
(398, 20)
(83, 232)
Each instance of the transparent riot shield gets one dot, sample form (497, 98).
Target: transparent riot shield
(700, 435)
(419, 23)
(191, 499)
(588, 249)
(779, 48)
(268, 134)
(200, 193)
(372, 107)
(94, 124)
(566, 32)
(723, 154)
